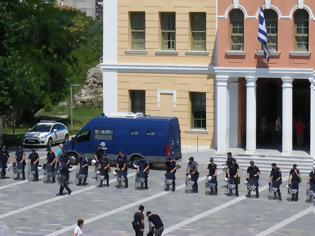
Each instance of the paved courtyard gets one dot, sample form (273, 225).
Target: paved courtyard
(28, 208)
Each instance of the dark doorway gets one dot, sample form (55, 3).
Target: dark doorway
(301, 114)
(269, 113)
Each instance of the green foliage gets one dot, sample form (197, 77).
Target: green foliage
(43, 48)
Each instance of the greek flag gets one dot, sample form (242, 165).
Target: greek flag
(262, 34)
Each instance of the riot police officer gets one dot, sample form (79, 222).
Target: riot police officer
(104, 168)
(294, 181)
(64, 160)
(311, 180)
(99, 155)
(143, 168)
(20, 161)
(62, 179)
(253, 177)
(213, 172)
(4, 156)
(233, 175)
(229, 162)
(192, 170)
(51, 163)
(122, 162)
(34, 161)
(84, 169)
(171, 171)
(275, 179)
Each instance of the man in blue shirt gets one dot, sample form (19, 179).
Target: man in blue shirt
(51, 163)
(84, 168)
(34, 161)
(143, 169)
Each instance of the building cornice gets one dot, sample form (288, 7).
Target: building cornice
(159, 68)
(298, 73)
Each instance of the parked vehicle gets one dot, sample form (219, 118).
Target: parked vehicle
(46, 133)
(154, 138)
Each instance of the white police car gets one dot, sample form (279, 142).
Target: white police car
(46, 133)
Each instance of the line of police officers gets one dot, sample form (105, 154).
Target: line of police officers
(60, 163)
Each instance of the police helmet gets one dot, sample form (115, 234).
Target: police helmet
(211, 159)
(102, 145)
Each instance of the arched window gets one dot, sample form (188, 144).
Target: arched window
(301, 18)
(271, 20)
(237, 30)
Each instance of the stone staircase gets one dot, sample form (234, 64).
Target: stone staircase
(305, 164)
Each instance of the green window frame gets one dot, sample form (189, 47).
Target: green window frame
(301, 19)
(237, 30)
(137, 30)
(168, 30)
(271, 20)
(198, 110)
(198, 31)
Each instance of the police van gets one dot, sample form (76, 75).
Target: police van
(154, 138)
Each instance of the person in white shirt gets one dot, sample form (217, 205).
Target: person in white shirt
(78, 229)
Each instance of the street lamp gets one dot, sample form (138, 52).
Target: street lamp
(71, 103)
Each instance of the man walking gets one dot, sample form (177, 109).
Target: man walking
(138, 221)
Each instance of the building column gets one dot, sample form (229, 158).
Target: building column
(250, 113)
(287, 105)
(312, 118)
(110, 50)
(221, 112)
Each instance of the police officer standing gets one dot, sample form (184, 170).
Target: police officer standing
(104, 168)
(171, 171)
(143, 168)
(233, 175)
(275, 179)
(192, 170)
(34, 161)
(51, 163)
(84, 169)
(213, 173)
(294, 181)
(122, 166)
(228, 163)
(20, 162)
(63, 176)
(253, 177)
(4, 156)
(312, 182)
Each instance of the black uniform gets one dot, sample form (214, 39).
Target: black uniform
(158, 224)
(20, 163)
(253, 171)
(312, 181)
(138, 218)
(84, 168)
(275, 174)
(100, 154)
(34, 158)
(142, 165)
(64, 172)
(50, 158)
(4, 156)
(295, 181)
(104, 171)
(121, 161)
(192, 167)
(64, 161)
(212, 170)
(229, 162)
(170, 165)
(232, 172)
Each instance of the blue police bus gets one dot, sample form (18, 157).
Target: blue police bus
(154, 138)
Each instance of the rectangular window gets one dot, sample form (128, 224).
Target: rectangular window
(100, 134)
(271, 27)
(137, 30)
(301, 35)
(168, 32)
(137, 100)
(198, 110)
(83, 136)
(198, 31)
(237, 30)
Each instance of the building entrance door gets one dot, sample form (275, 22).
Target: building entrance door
(269, 113)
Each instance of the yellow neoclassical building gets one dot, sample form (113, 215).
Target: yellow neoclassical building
(157, 58)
